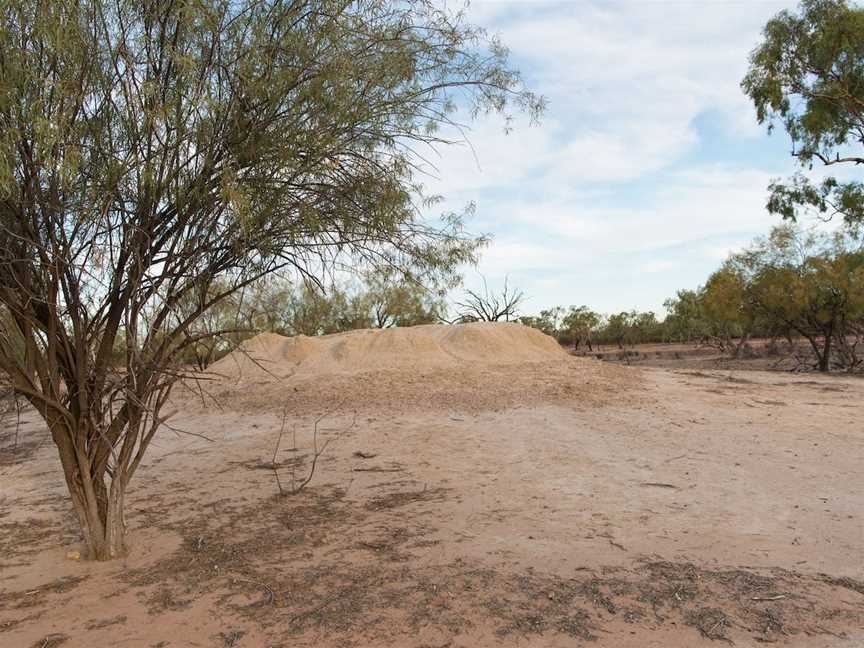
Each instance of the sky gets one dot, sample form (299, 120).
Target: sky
(648, 166)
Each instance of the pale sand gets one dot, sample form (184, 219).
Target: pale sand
(550, 502)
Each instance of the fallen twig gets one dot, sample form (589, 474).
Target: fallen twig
(270, 594)
(768, 598)
(659, 485)
(378, 469)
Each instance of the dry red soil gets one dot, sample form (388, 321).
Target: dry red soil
(527, 501)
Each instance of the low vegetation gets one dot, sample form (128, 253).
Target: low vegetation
(793, 284)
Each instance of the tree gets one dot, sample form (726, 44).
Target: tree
(215, 331)
(265, 305)
(393, 299)
(549, 321)
(628, 328)
(314, 310)
(489, 306)
(646, 328)
(728, 312)
(573, 325)
(808, 74)
(685, 319)
(154, 154)
(618, 328)
(580, 323)
(811, 283)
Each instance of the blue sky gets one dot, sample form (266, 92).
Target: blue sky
(648, 167)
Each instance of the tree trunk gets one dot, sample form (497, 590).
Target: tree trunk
(742, 342)
(823, 364)
(99, 509)
(823, 353)
(115, 525)
(103, 526)
(825, 358)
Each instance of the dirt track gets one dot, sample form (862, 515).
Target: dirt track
(566, 505)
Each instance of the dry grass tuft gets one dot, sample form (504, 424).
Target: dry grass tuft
(396, 500)
(51, 641)
(712, 623)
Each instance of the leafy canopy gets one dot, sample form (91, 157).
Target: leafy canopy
(808, 75)
(156, 157)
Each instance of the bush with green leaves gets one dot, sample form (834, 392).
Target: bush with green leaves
(156, 158)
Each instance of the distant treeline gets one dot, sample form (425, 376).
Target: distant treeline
(790, 285)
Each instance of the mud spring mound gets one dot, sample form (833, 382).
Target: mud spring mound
(418, 348)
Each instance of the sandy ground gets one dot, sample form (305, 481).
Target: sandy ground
(564, 504)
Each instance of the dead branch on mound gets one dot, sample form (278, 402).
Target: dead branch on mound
(488, 306)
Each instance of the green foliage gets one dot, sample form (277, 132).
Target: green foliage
(549, 321)
(392, 299)
(827, 199)
(809, 283)
(725, 308)
(575, 325)
(579, 325)
(791, 283)
(311, 310)
(618, 329)
(157, 158)
(808, 74)
(630, 327)
(384, 299)
(13, 341)
(685, 319)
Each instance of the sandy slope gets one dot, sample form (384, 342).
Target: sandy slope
(417, 349)
(549, 503)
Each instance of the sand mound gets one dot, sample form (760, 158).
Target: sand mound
(418, 349)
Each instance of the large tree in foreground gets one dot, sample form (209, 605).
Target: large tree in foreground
(808, 74)
(156, 156)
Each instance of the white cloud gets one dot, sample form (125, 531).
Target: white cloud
(579, 252)
(634, 61)
(615, 200)
(691, 205)
(660, 265)
(625, 82)
(491, 156)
